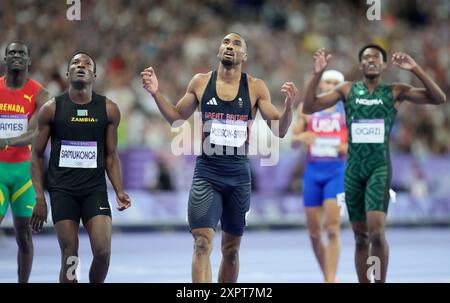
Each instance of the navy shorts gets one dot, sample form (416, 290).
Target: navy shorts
(224, 199)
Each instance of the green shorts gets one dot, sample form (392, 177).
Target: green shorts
(16, 189)
(366, 189)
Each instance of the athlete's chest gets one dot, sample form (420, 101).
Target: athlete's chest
(80, 118)
(227, 91)
(366, 104)
(229, 101)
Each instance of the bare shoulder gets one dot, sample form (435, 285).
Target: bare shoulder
(201, 79)
(111, 104)
(258, 90)
(345, 87)
(198, 84)
(112, 110)
(49, 105)
(47, 111)
(255, 84)
(252, 80)
(43, 94)
(202, 76)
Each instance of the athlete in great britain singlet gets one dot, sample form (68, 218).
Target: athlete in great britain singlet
(228, 99)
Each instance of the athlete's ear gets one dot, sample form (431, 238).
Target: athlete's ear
(360, 66)
(244, 57)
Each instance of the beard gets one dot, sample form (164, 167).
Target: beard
(16, 68)
(78, 85)
(227, 62)
(372, 76)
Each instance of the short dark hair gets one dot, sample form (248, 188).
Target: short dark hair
(84, 53)
(376, 46)
(18, 42)
(242, 37)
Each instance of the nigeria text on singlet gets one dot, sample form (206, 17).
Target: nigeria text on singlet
(370, 118)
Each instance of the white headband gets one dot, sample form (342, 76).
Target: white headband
(333, 74)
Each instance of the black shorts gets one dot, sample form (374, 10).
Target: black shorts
(214, 200)
(75, 207)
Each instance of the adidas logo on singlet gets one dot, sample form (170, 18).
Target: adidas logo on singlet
(369, 102)
(212, 102)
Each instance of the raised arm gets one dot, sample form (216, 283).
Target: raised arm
(279, 124)
(112, 158)
(430, 94)
(313, 103)
(185, 106)
(26, 138)
(42, 134)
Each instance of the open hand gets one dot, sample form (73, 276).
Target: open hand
(403, 60)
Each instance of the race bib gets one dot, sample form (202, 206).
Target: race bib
(368, 131)
(13, 125)
(78, 154)
(228, 132)
(325, 147)
(340, 200)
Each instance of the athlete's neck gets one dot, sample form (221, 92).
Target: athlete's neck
(229, 74)
(372, 82)
(16, 79)
(80, 94)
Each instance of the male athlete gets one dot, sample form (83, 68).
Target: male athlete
(228, 100)
(370, 107)
(325, 134)
(20, 100)
(83, 127)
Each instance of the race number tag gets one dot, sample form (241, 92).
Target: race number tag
(340, 200)
(13, 125)
(228, 132)
(325, 147)
(368, 131)
(78, 154)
